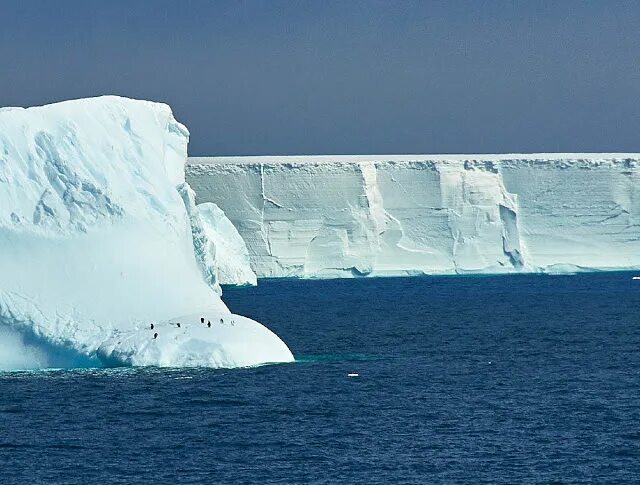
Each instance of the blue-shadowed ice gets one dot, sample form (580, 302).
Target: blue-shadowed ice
(100, 235)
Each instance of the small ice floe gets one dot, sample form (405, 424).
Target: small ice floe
(635, 277)
(353, 374)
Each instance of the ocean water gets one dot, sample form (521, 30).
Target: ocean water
(510, 379)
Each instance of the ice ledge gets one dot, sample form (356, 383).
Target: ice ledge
(220, 340)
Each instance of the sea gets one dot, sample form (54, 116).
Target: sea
(458, 379)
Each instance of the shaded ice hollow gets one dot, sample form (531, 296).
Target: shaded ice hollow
(100, 235)
(346, 216)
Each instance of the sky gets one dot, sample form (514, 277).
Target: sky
(343, 77)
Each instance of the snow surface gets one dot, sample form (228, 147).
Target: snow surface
(343, 216)
(99, 234)
(230, 341)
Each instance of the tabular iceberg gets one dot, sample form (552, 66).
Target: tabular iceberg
(344, 216)
(100, 235)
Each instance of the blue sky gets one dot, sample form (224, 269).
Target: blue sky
(295, 77)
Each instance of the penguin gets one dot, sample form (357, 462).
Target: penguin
(178, 324)
(155, 335)
(152, 326)
(201, 319)
(209, 324)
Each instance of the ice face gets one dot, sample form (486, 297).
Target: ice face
(99, 233)
(228, 248)
(343, 216)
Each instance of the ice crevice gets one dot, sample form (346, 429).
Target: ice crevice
(264, 228)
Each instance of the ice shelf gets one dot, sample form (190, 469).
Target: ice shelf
(362, 215)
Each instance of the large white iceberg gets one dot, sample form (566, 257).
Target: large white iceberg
(100, 235)
(344, 216)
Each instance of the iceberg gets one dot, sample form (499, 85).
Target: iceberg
(100, 236)
(388, 215)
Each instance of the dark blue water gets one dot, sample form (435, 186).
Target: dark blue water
(462, 379)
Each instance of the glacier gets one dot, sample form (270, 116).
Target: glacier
(100, 236)
(361, 215)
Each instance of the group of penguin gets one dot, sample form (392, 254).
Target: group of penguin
(177, 324)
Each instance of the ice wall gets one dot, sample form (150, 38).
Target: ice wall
(100, 235)
(336, 216)
(227, 247)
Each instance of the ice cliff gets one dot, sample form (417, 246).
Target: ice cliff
(100, 236)
(337, 216)
(231, 253)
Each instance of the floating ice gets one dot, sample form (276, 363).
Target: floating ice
(99, 235)
(344, 216)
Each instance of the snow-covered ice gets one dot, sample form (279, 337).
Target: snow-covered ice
(343, 216)
(229, 341)
(100, 234)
